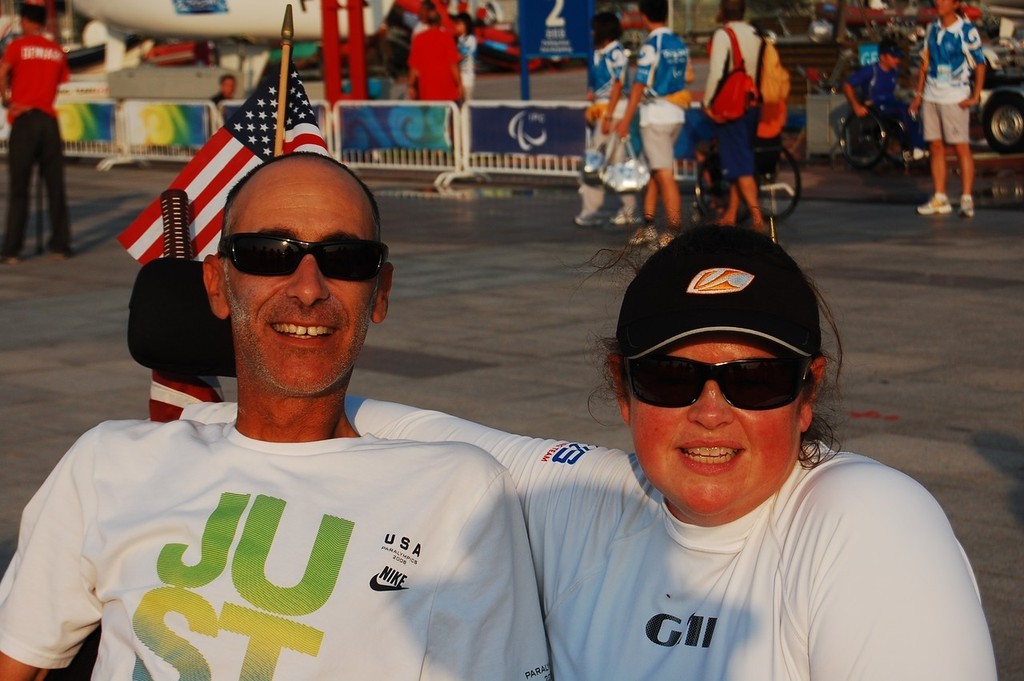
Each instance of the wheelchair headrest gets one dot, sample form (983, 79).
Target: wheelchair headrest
(170, 325)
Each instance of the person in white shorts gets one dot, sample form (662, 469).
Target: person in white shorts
(946, 91)
(659, 94)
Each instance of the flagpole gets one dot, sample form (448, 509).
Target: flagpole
(287, 31)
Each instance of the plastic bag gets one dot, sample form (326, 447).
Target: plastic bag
(628, 175)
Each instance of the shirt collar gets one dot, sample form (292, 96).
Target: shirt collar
(609, 47)
(955, 27)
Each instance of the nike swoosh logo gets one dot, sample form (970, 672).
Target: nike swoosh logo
(377, 586)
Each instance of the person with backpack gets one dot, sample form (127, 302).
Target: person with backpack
(945, 94)
(734, 42)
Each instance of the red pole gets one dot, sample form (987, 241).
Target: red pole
(356, 48)
(331, 58)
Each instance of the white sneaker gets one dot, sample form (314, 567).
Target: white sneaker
(937, 205)
(918, 154)
(624, 219)
(592, 220)
(643, 236)
(967, 206)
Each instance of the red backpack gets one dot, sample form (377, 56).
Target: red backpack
(736, 91)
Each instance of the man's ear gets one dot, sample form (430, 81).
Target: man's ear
(214, 280)
(383, 293)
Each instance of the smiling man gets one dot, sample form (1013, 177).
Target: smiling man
(283, 543)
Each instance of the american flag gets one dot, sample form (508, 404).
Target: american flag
(245, 141)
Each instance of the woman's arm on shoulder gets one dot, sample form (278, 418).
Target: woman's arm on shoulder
(393, 421)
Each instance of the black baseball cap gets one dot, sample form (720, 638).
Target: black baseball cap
(890, 47)
(34, 13)
(715, 279)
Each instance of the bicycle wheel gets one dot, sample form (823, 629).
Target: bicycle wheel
(778, 182)
(897, 143)
(712, 191)
(863, 140)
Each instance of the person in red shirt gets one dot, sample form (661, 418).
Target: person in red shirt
(32, 68)
(434, 62)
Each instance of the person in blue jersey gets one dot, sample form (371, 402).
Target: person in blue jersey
(946, 91)
(874, 85)
(609, 76)
(659, 94)
(735, 138)
(466, 45)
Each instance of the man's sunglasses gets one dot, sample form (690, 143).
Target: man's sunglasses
(268, 255)
(750, 384)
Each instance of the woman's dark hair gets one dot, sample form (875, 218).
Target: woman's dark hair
(732, 10)
(606, 27)
(819, 440)
(655, 10)
(467, 21)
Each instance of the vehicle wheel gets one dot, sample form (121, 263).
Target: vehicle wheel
(778, 186)
(863, 140)
(1003, 119)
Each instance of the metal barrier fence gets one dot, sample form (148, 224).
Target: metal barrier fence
(89, 129)
(478, 140)
(521, 138)
(163, 131)
(398, 135)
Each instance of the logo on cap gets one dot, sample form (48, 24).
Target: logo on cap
(719, 280)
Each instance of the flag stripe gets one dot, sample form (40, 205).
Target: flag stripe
(244, 142)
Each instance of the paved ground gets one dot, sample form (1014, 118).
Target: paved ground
(496, 311)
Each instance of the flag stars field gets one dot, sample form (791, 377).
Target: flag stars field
(231, 152)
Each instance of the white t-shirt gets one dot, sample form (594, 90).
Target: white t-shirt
(850, 571)
(207, 554)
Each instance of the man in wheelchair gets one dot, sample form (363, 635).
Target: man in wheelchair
(873, 89)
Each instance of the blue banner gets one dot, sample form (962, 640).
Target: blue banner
(555, 28)
(531, 130)
(200, 6)
(405, 126)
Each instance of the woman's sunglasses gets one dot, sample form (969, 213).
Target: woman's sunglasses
(751, 384)
(272, 256)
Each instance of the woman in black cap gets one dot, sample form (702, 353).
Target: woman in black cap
(736, 543)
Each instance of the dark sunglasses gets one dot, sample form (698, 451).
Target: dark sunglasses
(750, 384)
(272, 256)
